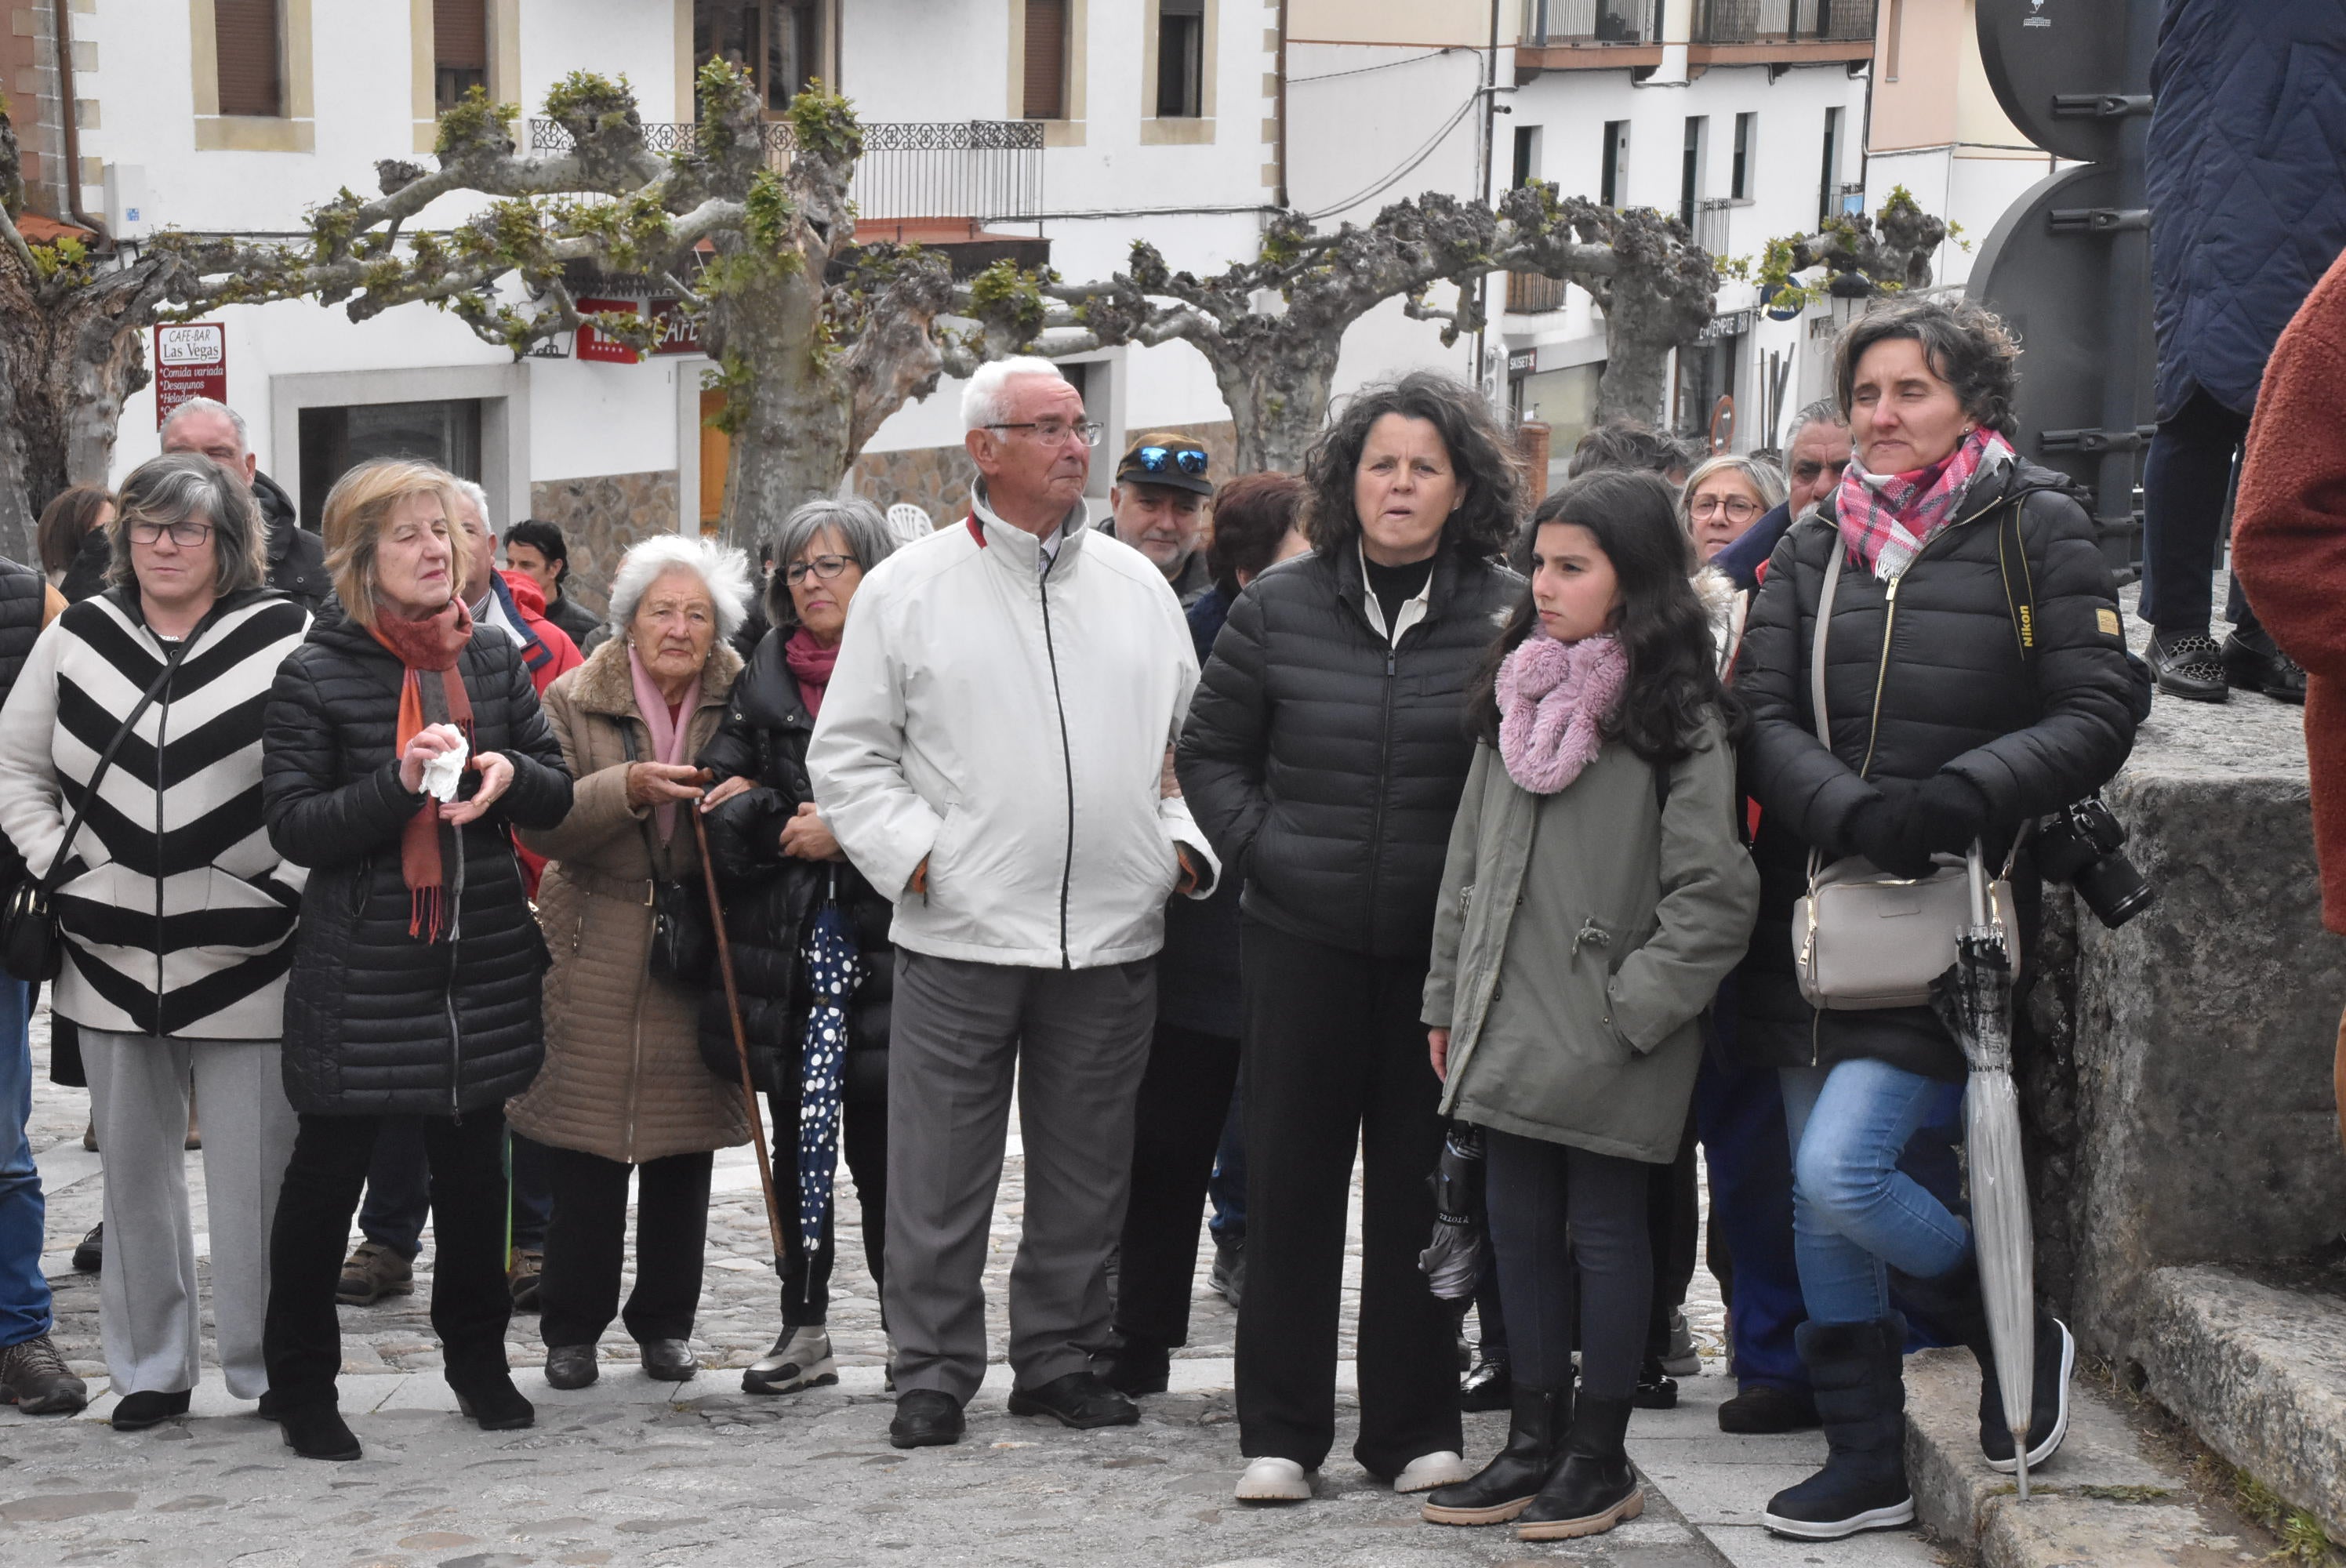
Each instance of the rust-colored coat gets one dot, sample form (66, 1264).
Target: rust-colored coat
(2288, 545)
(623, 1076)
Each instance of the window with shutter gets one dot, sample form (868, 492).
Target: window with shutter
(1180, 58)
(1047, 60)
(460, 50)
(251, 70)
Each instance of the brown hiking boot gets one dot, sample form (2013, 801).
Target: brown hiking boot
(372, 1272)
(34, 1378)
(521, 1277)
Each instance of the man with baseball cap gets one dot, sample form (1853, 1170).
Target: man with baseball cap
(1156, 505)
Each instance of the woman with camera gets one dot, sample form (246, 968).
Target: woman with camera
(1974, 678)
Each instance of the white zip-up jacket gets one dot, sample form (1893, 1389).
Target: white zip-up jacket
(1007, 718)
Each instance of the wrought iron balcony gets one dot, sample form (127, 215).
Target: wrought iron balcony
(972, 170)
(1784, 22)
(1710, 224)
(1549, 23)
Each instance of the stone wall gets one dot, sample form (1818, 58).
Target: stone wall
(936, 479)
(600, 518)
(2177, 1071)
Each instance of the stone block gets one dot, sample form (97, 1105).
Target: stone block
(2259, 1372)
(601, 517)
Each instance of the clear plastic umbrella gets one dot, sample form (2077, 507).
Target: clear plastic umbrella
(1974, 998)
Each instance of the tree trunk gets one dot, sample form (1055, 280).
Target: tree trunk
(789, 417)
(1636, 383)
(1278, 395)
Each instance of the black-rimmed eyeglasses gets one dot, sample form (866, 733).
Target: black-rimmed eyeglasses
(823, 566)
(186, 536)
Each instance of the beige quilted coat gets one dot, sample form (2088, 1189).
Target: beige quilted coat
(623, 1076)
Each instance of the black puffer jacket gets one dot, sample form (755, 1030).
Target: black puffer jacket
(1325, 765)
(370, 1009)
(24, 600)
(1950, 690)
(769, 896)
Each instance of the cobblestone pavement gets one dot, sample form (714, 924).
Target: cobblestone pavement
(632, 1471)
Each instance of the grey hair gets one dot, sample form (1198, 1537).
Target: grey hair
(982, 401)
(184, 485)
(860, 528)
(1824, 410)
(725, 571)
(1764, 477)
(478, 497)
(209, 405)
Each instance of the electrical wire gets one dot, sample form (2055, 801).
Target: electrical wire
(1385, 64)
(1395, 178)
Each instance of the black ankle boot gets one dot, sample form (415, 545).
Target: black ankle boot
(1595, 1487)
(1505, 1487)
(1859, 1373)
(1952, 1305)
(1488, 1385)
(492, 1402)
(1135, 1367)
(317, 1431)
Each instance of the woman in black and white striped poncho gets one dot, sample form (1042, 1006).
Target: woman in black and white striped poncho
(177, 913)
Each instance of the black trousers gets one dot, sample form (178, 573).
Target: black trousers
(1334, 1059)
(2184, 485)
(1185, 1098)
(864, 1146)
(1602, 1274)
(301, 1339)
(586, 1240)
(1673, 1225)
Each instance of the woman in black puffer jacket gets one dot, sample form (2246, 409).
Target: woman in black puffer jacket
(775, 863)
(1975, 678)
(416, 981)
(1325, 752)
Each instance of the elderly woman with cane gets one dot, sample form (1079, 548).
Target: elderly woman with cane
(626, 916)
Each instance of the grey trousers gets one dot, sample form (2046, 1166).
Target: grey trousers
(1076, 1041)
(147, 1316)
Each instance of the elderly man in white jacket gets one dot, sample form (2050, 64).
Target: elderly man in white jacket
(992, 745)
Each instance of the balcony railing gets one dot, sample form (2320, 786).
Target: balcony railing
(910, 170)
(1548, 22)
(1533, 293)
(1710, 221)
(1783, 21)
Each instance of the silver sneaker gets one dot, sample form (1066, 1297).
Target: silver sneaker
(800, 1359)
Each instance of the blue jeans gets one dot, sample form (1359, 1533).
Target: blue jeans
(24, 1291)
(1227, 1188)
(1855, 1214)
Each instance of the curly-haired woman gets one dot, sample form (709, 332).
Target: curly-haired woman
(1325, 753)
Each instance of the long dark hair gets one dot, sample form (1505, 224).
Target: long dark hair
(1489, 472)
(1673, 659)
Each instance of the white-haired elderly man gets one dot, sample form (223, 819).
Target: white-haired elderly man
(511, 601)
(297, 560)
(990, 751)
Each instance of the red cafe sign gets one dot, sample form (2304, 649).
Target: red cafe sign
(679, 333)
(191, 362)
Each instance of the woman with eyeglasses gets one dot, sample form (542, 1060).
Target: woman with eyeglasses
(775, 861)
(1725, 495)
(177, 914)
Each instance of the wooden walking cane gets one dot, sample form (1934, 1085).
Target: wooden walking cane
(741, 1039)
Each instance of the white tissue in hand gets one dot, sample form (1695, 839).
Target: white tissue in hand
(445, 772)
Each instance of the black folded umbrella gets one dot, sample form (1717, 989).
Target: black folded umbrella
(1453, 1263)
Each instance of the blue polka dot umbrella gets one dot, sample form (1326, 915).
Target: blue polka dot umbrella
(833, 968)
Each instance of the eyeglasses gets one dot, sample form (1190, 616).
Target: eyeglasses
(1052, 431)
(823, 566)
(1164, 459)
(186, 536)
(1738, 508)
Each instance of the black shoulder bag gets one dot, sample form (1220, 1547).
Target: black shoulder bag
(32, 946)
(684, 946)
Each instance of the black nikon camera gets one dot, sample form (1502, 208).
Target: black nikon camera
(2083, 845)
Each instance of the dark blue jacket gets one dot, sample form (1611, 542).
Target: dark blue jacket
(1197, 971)
(1742, 559)
(2247, 183)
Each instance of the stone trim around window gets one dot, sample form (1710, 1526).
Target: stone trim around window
(296, 130)
(1184, 130)
(1068, 132)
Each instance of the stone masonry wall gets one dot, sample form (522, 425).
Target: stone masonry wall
(601, 517)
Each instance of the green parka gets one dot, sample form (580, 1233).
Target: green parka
(1579, 937)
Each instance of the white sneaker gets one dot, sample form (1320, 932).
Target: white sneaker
(1428, 1471)
(1275, 1481)
(800, 1359)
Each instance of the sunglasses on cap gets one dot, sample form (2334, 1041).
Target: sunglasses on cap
(1190, 460)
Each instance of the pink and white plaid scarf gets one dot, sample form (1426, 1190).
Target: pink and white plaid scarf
(1887, 518)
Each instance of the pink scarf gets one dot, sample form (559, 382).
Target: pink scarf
(1887, 518)
(810, 664)
(1554, 701)
(669, 735)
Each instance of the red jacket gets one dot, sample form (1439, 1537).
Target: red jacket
(2288, 545)
(559, 653)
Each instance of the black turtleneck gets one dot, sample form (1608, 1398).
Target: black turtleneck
(1396, 586)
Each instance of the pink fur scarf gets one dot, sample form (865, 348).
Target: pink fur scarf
(1554, 700)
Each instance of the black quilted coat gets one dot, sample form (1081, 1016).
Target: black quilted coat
(1325, 765)
(377, 1022)
(1944, 684)
(768, 896)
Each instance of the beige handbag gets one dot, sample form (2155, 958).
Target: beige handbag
(1861, 938)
